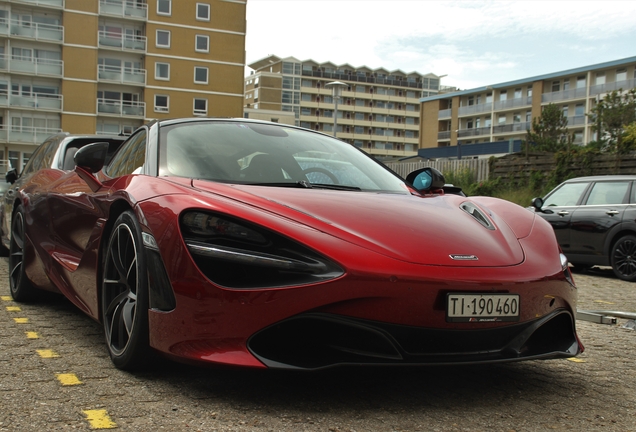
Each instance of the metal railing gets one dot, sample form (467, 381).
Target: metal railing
(512, 127)
(40, 101)
(616, 85)
(32, 30)
(122, 75)
(28, 135)
(446, 113)
(58, 4)
(123, 9)
(474, 109)
(366, 79)
(473, 132)
(576, 120)
(121, 108)
(511, 103)
(33, 65)
(577, 93)
(121, 41)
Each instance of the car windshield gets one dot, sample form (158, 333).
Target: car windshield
(269, 155)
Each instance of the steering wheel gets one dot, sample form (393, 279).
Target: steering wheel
(329, 174)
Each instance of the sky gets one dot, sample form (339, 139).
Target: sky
(473, 43)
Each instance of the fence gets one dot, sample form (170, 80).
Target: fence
(479, 167)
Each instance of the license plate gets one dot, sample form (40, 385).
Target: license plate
(482, 307)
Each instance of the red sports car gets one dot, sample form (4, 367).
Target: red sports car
(257, 244)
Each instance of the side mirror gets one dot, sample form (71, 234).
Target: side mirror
(537, 203)
(92, 156)
(426, 179)
(11, 176)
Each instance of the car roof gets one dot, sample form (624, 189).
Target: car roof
(601, 178)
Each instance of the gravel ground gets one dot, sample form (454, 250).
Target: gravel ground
(597, 391)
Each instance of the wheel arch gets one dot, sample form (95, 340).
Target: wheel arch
(117, 208)
(616, 233)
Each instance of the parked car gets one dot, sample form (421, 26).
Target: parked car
(56, 152)
(256, 244)
(594, 219)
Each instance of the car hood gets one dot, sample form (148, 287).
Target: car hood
(420, 230)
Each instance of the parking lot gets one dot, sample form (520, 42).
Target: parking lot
(55, 374)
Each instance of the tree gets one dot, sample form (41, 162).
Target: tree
(549, 131)
(610, 117)
(629, 137)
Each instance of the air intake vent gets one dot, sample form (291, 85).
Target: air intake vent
(477, 213)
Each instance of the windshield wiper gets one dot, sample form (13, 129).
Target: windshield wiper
(335, 187)
(298, 184)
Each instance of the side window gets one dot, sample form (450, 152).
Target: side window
(130, 158)
(40, 157)
(566, 195)
(604, 193)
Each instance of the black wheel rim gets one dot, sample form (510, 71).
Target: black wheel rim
(625, 258)
(120, 289)
(16, 251)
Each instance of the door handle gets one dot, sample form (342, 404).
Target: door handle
(612, 212)
(563, 213)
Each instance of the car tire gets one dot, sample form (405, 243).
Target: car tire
(19, 285)
(623, 258)
(124, 294)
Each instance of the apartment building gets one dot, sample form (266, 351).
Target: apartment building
(108, 66)
(504, 112)
(378, 109)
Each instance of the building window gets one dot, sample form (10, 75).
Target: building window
(201, 75)
(529, 91)
(503, 95)
(621, 75)
(564, 110)
(600, 78)
(488, 98)
(528, 116)
(162, 71)
(502, 119)
(517, 93)
(203, 12)
(200, 106)
(580, 82)
(556, 86)
(202, 43)
(566, 85)
(579, 110)
(163, 38)
(162, 103)
(164, 7)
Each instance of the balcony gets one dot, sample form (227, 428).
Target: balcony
(31, 30)
(576, 120)
(511, 103)
(30, 65)
(123, 9)
(609, 87)
(475, 109)
(366, 79)
(121, 75)
(26, 135)
(444, 135)
(57, 4)
(512, 127)
(121, 41)
(577, 93)
(121, 108)
(39, 101)
(446, 113)
(473, 132)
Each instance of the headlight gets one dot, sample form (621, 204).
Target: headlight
(238, 254)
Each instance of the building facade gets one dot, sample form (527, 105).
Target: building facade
(108, 66)
(378, 109)
(504, 112)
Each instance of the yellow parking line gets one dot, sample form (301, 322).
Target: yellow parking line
(47, 354)
(14, 309)
(68, 379)
(6, 298)
(99, 419)
(21, 320)
(32, 335)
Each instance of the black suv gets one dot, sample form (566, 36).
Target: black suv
(594, 219)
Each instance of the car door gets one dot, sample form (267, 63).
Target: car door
(603, 209)
(560, 205)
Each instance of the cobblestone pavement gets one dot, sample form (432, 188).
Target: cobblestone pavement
(55, 375)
